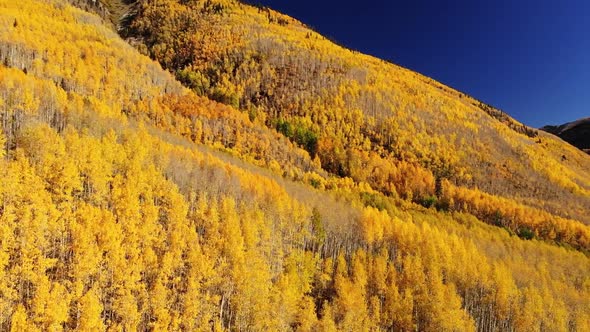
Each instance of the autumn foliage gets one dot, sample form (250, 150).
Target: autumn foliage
(128, 202)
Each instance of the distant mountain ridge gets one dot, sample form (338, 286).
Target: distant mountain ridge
(577, 133)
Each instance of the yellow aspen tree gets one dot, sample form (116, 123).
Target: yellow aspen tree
(506, 292)
(125, 306)
(58, 311)
(351, 298)
(8, 245)
(159, 306)
(198, 309)
(531, 311)
(556, 317)
(327, 323)
(307, 319)
(20, 321)
(90, 311)
(85, 250)
(3, 147)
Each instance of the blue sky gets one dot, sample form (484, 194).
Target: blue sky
(528, 58)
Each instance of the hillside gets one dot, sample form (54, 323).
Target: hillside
(404, 134)
(295, 185)
(361, 117)
(577, 133)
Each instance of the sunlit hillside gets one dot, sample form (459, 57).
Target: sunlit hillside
(294, 185)
(402, 133)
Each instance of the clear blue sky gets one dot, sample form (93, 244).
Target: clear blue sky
(528, 58)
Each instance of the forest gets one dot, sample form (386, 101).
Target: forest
(229, 169)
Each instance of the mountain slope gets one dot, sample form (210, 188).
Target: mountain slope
(141, 206)
(577, 133)
(402, 133)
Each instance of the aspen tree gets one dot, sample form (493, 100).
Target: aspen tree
(90, 310)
